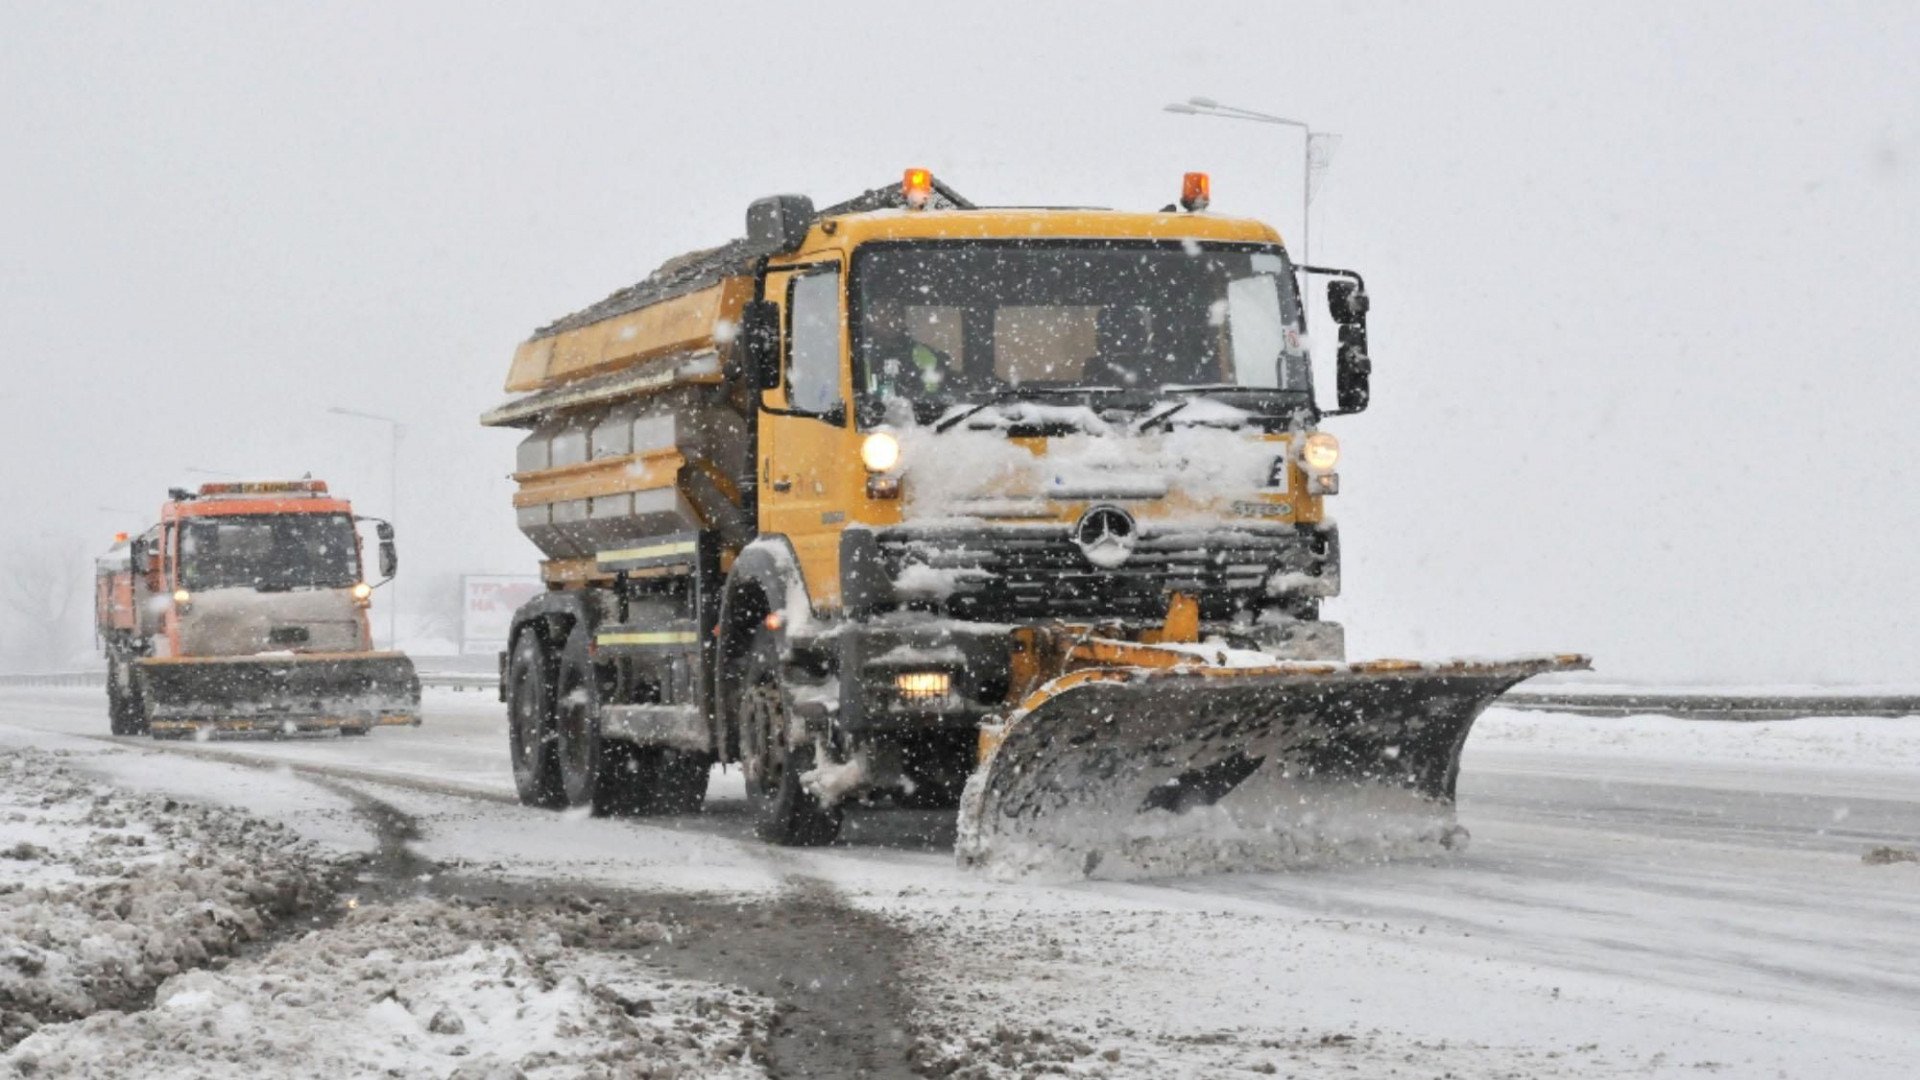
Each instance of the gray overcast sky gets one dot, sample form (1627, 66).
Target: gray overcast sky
(1643, 275)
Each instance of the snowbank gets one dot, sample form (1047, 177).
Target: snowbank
(103, 893)
(428, 988)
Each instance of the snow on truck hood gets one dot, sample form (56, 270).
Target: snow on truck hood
(968, 472)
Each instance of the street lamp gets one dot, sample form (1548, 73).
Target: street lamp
(394, 430)
(1205, 106)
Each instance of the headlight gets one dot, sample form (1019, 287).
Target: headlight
(182, 597)
(880, 452)
(1320, 452)
(362, 590)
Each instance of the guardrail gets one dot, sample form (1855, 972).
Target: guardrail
(1609, 703)
(56, 678)
(442, 680)
(1710, 706)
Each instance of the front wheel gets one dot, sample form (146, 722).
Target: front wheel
(125, 712)
(785, 812)
(530, 735)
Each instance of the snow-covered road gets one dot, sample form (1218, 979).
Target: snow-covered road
(1642, 897)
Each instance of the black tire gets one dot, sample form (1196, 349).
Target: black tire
(785, 813)
(355, 731)
(125, 713)
(584, 758)
(530, 737)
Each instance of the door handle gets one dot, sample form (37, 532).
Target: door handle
(783, 484)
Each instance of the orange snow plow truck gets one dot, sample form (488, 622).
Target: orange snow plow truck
(1019, 511)
(245, 609)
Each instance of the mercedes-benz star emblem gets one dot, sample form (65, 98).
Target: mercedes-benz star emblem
(1105, 535)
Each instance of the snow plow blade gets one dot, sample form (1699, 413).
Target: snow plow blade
(303, 692)
(1138, 772)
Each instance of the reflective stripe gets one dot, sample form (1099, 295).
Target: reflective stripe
(684, 547)
(649, 637)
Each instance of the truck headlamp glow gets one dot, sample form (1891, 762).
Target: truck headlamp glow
(182, 597)
(362, 591)
(1320, 452)
(880, 452)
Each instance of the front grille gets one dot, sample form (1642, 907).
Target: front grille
(288, 635)
(1038, 572)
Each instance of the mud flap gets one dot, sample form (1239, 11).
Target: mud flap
(303, 692)
(1137, 773)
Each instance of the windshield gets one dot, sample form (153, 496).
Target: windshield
(269, 551)
(950, 323)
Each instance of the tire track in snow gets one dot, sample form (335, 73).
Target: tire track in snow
(834, 969)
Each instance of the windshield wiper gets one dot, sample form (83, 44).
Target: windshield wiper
(1148, 423)
(1014, 394)
(1189, 393)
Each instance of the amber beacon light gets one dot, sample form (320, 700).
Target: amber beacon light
(918, 188)
(1196, 191)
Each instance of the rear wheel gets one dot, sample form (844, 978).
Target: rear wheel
(785, 812)
(611, 776)
(530, 736)
(585, 758)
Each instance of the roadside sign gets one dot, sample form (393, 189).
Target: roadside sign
(487, 611)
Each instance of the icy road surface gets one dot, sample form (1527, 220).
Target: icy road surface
(1642, 897)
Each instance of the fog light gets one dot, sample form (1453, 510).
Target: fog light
(883, 487)
(362, 593)
(182, 597)
(1323, 484)
(923, 684)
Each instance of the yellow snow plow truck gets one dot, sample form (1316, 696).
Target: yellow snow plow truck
(906, 501)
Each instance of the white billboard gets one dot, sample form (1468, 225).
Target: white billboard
(487, 613)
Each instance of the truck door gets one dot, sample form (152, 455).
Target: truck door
(810, 472)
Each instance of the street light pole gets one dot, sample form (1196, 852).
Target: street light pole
(394, 430)
(1202, 106)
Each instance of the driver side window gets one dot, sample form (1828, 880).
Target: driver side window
(813, 342)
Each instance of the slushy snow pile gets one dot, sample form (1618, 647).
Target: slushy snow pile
(427, 988)
(104, 894)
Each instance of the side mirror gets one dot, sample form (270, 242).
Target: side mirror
(1347, 301)
(389, 558)
(137, 557)
(760, 343)
(779, 222)
(383, 530)
(1353, 368)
